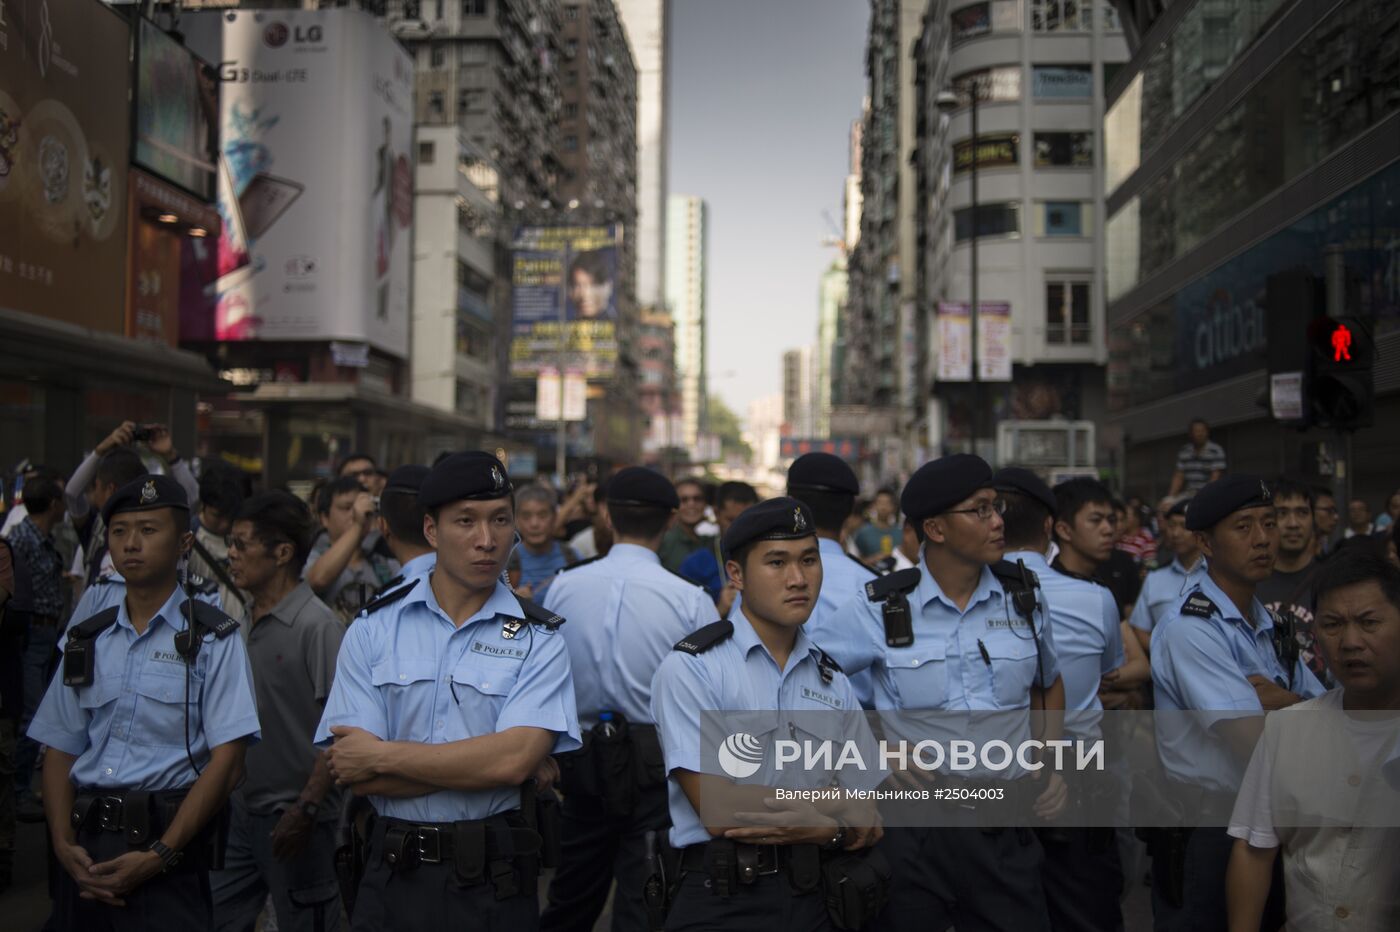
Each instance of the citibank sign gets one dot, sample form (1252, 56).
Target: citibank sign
(1227, 331)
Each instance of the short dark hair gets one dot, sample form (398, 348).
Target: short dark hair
(1199, 420)
(886, 490)
(1322, 491)
(1072, 495)
(1025, 521)
(1360, 565)
(829, 509)
(41, 492)
(695, 481)
(119, 467)
(639, 521)
(279, 517)
(351, 457)
(1284, 487)
(740, 492)
(337, 486)
(400, 510)
(220, 489)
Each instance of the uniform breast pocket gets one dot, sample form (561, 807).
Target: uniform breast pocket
(480, 690)
(160, 710)
(1013, 670)
(920, 673)
(103, 691)
(407, 686)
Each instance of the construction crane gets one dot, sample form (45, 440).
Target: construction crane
(838, 240)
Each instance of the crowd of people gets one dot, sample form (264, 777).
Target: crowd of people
(405, 701)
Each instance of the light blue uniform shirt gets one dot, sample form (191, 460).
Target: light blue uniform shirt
(107, 591)
(740, 674)
(128, 728)
(1162, 591)
(1202, 664)
(1088, 635)
(843, 579)
(420, 565)
(625, 613)
(407, 673)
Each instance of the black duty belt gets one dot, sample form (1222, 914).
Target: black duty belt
(137, 814)
(500, 849)
(729, 863)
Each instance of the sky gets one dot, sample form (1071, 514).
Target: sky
(762, 97)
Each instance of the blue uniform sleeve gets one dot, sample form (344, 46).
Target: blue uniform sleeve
(679, 692)
(60, 722)
(1141, 618)
(229, 706)
(1049, 667)
(543, 694)
(1305, 682)
(1112, 633)
(353, 701)
(862, 622)
(1207, 676)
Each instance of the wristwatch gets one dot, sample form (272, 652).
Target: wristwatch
(308, 808)
(169, 857)
(837, 841)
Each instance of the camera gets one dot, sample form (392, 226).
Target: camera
(142, 434)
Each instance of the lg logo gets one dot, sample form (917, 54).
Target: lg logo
(276, 35)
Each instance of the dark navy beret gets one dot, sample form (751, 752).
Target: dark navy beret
(637, 485)
(1216, 501)
(1027, 483)
(822, 472)
(407, 478)
(776, 519)
(1179, 508)
(937, 486)
(146, 494)
(473, 475)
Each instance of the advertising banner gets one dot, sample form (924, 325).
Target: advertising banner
(315, 185)
(994, 342)
(176, 104)
(64, 140)
(955, 341)
(993, 151)
(564, 301)
(1065, 82)
(848, 448)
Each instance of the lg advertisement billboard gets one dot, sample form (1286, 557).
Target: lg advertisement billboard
(315, 183)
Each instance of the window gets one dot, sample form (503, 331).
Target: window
(1067, 312)
(980, 19)
(994, 150)
(1061, 15)
(570, 111)
(438, 10)
(426, 153)
(1064, 150)
(1002, 83)
(570, 77)
(1064, 218)
(437, 56)
(436, 103)
(571, 143)
(473, 7)
(1062, 82)
(992, 220)
(571, 48)
(571, 13)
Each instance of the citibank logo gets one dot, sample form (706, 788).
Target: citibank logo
(275, 35)
(740, 755)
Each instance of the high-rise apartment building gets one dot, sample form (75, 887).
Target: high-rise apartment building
(831, 305)
(647, 23)
(799, 391)
(686, 249)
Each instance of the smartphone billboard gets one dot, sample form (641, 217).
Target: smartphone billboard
(314, 177)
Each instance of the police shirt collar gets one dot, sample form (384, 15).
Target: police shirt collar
(1035, 560)
(501, 602)
(1229, 611)
(419, 565)
(635, 552)
(828, 547)
(746, 639)
(928, 591)
(171, 613)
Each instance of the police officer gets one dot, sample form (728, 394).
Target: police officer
(963, 632)
(1219, 655)
(109, 589)
(1164, 587)
(449, 694)
(829, 487)
(146, 725)
(401, 524)
(753, 872)
(625, 610)
(1082, 873)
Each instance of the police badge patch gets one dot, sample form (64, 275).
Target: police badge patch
(148, 492)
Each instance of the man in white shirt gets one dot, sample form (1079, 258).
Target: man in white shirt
(1337, 764)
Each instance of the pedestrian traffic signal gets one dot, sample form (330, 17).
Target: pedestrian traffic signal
(1340, 384)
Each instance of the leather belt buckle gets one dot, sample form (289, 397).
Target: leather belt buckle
(429, 844)
(767, 860)
(109, 813)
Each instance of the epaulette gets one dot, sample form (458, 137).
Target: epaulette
(1019, 583)
(826, 666)
(1198, 605)
(396, 581)
(390, 597)
(102, 581)
(857, 561)
(882, 587)
(214, 620)
(574, 566)
(92, 627)
(697, 642)
(538, 614)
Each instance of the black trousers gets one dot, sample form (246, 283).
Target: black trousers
(770, 904)
(965, 877)
(1083, 880)
(597, 849)
(178, 900)
(1203, 892)
(429, 898)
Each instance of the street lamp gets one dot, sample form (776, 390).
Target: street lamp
(948, 101)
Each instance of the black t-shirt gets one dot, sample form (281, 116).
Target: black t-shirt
(1291, 596)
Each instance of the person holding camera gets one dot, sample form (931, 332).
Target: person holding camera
(339, 570)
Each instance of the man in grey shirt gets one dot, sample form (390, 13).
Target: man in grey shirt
(282, 835)
(339, 569)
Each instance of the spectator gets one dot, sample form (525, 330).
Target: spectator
(1391, 552)
(1358, 519)
(704, 567)
(1086, 530)
(362, 468)
(1325, 519)
(539, 555)
(596, 539)
(853, 524)
(107, 468)
(1199, 461)
(1134, 538)
(1289, 591)
(37, 607)
(576, 514)
(401, 523)
(684, 537)
(339, 571)
(220, 496)
(11, 704)
(881, 533)
(1391, 513)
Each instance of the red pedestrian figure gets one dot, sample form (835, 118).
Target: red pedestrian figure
(1341, 343)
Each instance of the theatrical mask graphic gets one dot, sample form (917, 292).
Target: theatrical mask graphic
(97, 191)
